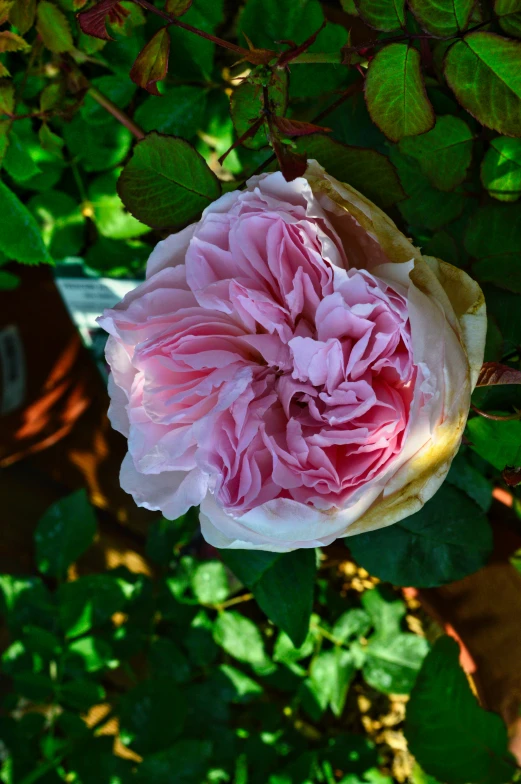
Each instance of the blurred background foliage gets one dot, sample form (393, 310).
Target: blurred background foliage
(253, 667)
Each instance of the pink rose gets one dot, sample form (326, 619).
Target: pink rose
(293, 365)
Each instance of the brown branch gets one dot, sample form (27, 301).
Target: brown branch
(116, 112)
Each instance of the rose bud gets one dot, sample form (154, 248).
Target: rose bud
(294, 365)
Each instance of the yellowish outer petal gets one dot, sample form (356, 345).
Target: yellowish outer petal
(463, 304)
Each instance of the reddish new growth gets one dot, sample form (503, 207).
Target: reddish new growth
(93, 22)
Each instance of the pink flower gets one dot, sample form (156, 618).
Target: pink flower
(293, 365)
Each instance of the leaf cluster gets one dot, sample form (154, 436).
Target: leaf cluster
(200, 680)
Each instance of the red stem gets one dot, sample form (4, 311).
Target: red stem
(116, 112)
(184, 26)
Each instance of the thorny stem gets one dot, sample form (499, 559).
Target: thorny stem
(497, 417)
(405, 36)
(353, 88)
(184, 26)
(116, 112)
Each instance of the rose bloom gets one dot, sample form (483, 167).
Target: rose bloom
(294, 365)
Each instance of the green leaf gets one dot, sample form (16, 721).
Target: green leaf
(42, 642)
(425, 206)
(382, 14)
(20, 238)
(499, 443)
(178, 110)
(165, 536)
(392, 663)
(102, 149)
(351, 124)
(395, 93)
(81, 694)
(509, 14)
(152, 715)
(64, 532)
(493, 237)
(484, 72)
(504, 308)
(247, 105)
(239, 637)
(385, 610)
(288, 654)
(89, 654)
(90, 601)
(322, 77)
(26, 601)
(210, 583)
(8, 281)
(443, 154)
(166, 183)
(349, 7)
(267, 21)
(192, 56)
(50, 142)
(119, 259)
(442, 17)
(22, 14)
(285, 593)
(515, 560)
(185, 763)
(177, 7)
(166, 659)
(330, 676)
(501, 169)
(282, 585)
(199, 641)
(351, 625)
(61, 221)
(110, 216)
(244, 687)
(117, 89)
(446, 540)
(249, 566)
(442, 245)
(34, 686)
(18, 163)
(151, 64)
(466, 477)
(450, 735)
(53, 27)
(368, 171)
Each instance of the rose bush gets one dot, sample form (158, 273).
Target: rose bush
(294, 365)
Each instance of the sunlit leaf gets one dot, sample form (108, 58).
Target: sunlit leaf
(501, 169)
(484, 71)
(442, 17)
(395, 93)
(20, 237)
(166, 182)
(151, 64)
